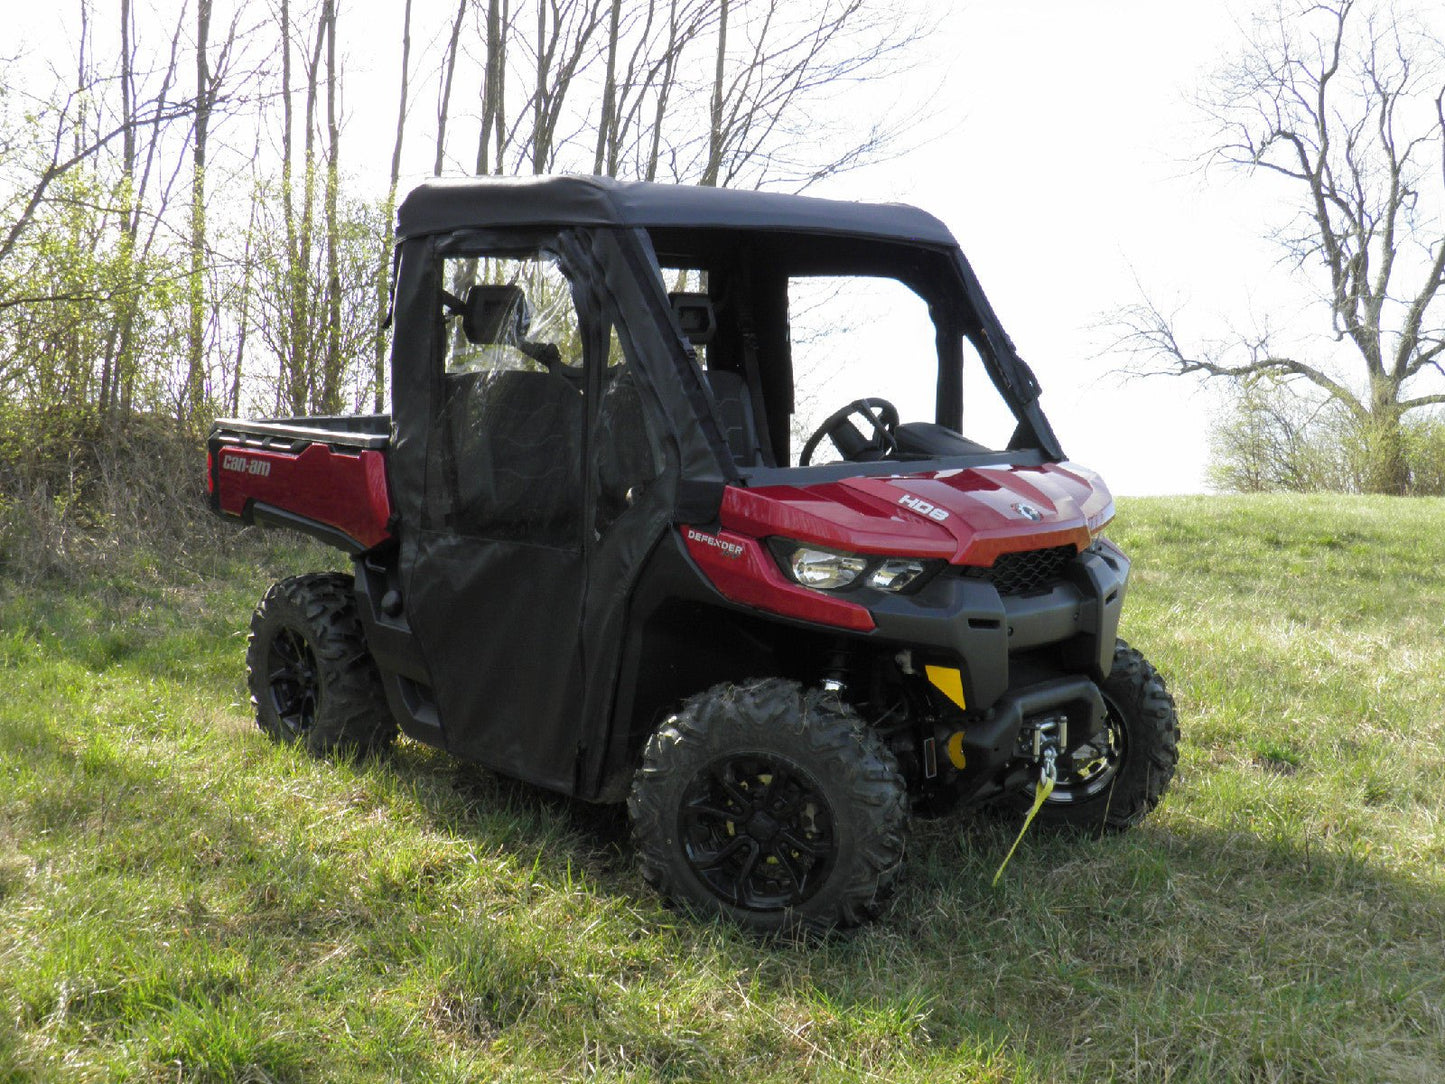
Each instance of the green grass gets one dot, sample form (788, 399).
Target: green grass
(182, 900)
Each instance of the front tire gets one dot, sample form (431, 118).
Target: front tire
(311, 677)
(770, 806)
(1120, 787)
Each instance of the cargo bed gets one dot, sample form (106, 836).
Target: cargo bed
(322, 475)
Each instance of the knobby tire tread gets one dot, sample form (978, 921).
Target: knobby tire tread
(353, 718)
(824, 736)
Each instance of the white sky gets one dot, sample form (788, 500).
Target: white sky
(1072, 175)
(1069, 171)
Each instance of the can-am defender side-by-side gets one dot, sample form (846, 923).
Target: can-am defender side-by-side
(595, 546)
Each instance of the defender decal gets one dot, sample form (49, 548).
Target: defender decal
(728, 549)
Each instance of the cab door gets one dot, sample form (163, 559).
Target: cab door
(494, 569)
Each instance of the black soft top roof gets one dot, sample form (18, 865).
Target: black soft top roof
(440, 206)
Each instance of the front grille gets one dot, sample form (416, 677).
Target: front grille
(1027, 571)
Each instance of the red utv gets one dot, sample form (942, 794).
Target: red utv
(621, 537)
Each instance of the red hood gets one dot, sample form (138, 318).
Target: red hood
(967, 517)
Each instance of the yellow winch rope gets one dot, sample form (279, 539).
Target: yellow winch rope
(1045, 787)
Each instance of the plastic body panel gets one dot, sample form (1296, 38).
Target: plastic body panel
(324, 485)
(966, 516)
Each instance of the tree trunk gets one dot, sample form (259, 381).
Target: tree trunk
(247, 271)
(1386, 466)
(383, 270)
(294, 362)
(444, 102)
(331, 369)
(715, 112)
(304, 390)
(110, 371)
(195, 371)
(540, 148)
(494, 73)
(608, 120)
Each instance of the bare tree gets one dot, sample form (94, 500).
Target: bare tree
(444, 92)
(1345, 103)
(383, 268)
(774, 63)
(332, 362)
(565, 30)
(608, 120)
(491, 147)
(195, 384)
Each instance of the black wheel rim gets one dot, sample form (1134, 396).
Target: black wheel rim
(1083, 781)
(758, 832)
(292, 681)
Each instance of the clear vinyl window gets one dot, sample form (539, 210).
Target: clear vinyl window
(505, 451)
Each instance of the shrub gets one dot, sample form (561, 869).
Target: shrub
(74, 485)
(1270, 439)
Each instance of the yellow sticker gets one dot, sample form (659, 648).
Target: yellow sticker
(949, 682)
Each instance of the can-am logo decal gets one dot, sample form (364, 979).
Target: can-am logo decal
(728, 549)
(242, 465)
(1028, 511)
(922, 507)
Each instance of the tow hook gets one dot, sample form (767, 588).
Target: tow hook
(1049, 773)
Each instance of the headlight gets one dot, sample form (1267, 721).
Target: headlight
(896, 573)
(823, 569)
(830, 570)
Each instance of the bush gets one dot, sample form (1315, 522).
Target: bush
(1425, 453)
(1272, 439)
(74, 485)
(1269, 439)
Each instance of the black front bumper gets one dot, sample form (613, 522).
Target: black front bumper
(964, 622)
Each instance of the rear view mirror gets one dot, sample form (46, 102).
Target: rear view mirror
(695, 316)
(495, 314)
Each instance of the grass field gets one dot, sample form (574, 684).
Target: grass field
(181, 900)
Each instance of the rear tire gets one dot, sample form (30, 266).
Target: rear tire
(1126, 783)
(311, 677)
(770, 806)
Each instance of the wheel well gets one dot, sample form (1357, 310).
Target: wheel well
(684, 647)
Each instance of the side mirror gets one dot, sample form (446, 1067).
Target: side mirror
(495, 314)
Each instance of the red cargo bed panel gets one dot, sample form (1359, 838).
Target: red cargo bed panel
(343, 490)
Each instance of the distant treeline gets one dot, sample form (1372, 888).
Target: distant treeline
(182, 236)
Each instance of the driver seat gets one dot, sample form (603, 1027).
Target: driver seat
(735, 407)
(697, 319)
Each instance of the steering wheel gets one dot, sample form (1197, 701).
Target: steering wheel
(882, 418)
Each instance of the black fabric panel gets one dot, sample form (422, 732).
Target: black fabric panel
(514, 439)
(623, 461)
(698, 502)
(680, 404)
(736, 408)
(510, 688)
(415, 381)
(1014, 380)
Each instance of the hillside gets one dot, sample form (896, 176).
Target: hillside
(179, 899)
